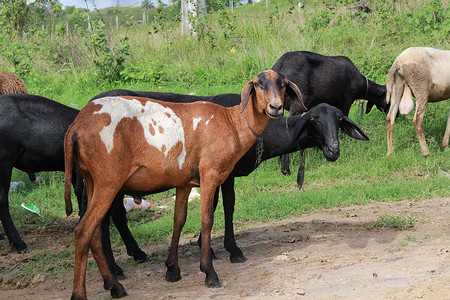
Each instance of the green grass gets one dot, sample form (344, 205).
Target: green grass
(398, 222)
(205, 66)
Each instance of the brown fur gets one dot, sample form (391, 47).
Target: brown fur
(212, 150)
(11, 84)
(424, 73)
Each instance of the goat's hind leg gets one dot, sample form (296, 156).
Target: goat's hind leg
(447, 133)
(421, 107)
(179, 219)
(110, 281)
(391, 115)
(88, 233)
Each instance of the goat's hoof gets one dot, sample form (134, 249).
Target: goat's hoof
(140, 256)
(238, 259)
(118, 292)
(2, 237)
(142, 259)
(23, 251)
(286, 172)
(77, 297)
(118, 272)
(172, 276)
(213, 283)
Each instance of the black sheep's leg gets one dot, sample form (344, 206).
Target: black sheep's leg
(5, 217)
(229, 197)
(199, 242)
(107, 250)
(285, 162)
(119, 217)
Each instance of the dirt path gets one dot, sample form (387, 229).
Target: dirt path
(327, 255)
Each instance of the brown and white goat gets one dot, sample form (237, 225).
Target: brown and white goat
(424, 73)
(140, 146)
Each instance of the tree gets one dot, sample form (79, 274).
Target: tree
(13, 14)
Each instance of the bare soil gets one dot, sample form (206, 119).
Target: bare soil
(331, 254)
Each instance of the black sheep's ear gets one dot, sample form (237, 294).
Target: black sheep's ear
(247, 90)
(300, 127)
(350, 128)
(293, 91)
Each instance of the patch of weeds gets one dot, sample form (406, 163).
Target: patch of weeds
(399, 222)
(398, 247)
(410, 238)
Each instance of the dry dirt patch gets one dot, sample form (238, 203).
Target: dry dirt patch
(330, 254)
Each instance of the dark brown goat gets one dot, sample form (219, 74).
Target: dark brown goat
(11, 84)
(138, 144)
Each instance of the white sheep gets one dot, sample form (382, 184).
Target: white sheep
(424, 73)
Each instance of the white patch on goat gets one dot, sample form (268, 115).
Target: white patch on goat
(167, 126)
(195, 122)
(209, 119)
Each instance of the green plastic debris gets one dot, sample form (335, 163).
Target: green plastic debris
(33, 208)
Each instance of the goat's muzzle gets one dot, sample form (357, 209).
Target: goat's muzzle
(331, 151)
(274, 111)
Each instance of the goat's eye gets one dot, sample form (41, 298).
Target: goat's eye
(341, 118)
(312, 118)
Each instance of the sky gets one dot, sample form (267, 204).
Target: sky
(100, 3)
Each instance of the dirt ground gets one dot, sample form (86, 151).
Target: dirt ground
(331, 254)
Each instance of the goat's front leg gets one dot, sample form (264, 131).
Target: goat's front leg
(421, 107)
(119, 216)
(229, 197)
(179, 219)
(5, 216)
(207, 218)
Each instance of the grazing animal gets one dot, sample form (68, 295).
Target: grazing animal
(11, 84)
(317, 128)
(327, 79)
(32, 130)
(167, 145)
(424, 73)
(276, 141)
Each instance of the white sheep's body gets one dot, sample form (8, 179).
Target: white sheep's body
(424, 73)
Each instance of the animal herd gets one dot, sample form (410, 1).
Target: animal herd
(139, 143)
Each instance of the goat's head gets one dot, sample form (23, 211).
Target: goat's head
(269, 89)
(378, 98)
(321, 123)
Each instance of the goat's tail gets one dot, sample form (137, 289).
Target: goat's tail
(68, 164)
(398, 93)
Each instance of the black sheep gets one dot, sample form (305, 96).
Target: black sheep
(328, 79)
(32, 130)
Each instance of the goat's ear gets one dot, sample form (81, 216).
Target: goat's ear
(246, 92)
(299, 127)
(293, 91)
(353, 130)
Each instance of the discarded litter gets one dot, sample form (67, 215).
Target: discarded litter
(33, 208)
(16, 185)
(130, 204)
(194, 195)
